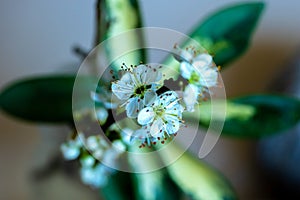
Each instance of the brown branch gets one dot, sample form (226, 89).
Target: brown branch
(98, 16)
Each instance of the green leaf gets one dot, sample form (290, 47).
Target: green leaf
(226, 33)
(196, 178)
(40, 99)
(153, 185)
(119, 186)
(143, 186)
(254, 116)
(118, 18)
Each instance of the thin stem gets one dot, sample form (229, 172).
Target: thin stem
(98, 22)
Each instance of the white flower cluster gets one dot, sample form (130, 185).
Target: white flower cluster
(156, 109)
(160, 114)
(160, 120)
(89, 151)
(199, 70)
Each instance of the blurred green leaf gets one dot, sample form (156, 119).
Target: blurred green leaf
(153, 185)
(141, 186)
(196, 178)
(226, 33)
(40, 99)
(114, 18)
(254, 116)
(119, 186)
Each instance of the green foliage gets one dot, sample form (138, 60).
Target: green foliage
(40, 99)
(119, 17)
(119, 186)
(254, 116)
(196, 178)
(155, 186)
(140, 186)
(226, 33)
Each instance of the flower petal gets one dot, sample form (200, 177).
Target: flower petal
(121, 90)
(140, 134)
(168, 99)
(182, 55)
(119, 146)
(87, 161)
(70, 152)
(186, 70)
(209, 78)
(149, 97)
(153, 75)
(126, 134)
(190, 97)
(102, 115)
(141, 72)
(92, 143)
(133, 107)
(146, 116)
(172, 126)
(157, 128)
(202, 61)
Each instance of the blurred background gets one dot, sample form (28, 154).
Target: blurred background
(37, 37)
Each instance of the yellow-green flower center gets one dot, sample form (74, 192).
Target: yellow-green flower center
(159, 111)
(194, 78)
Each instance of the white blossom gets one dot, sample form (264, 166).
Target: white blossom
(160, 120)
(137, 88)
(200, 72)
(71, 148)
(190, 97)
(87, 161)
(96, 176)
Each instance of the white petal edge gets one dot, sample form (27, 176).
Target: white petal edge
(146, 116)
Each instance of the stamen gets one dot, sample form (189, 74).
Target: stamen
(125, 66)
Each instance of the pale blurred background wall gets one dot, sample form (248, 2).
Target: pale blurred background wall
(36, 37)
